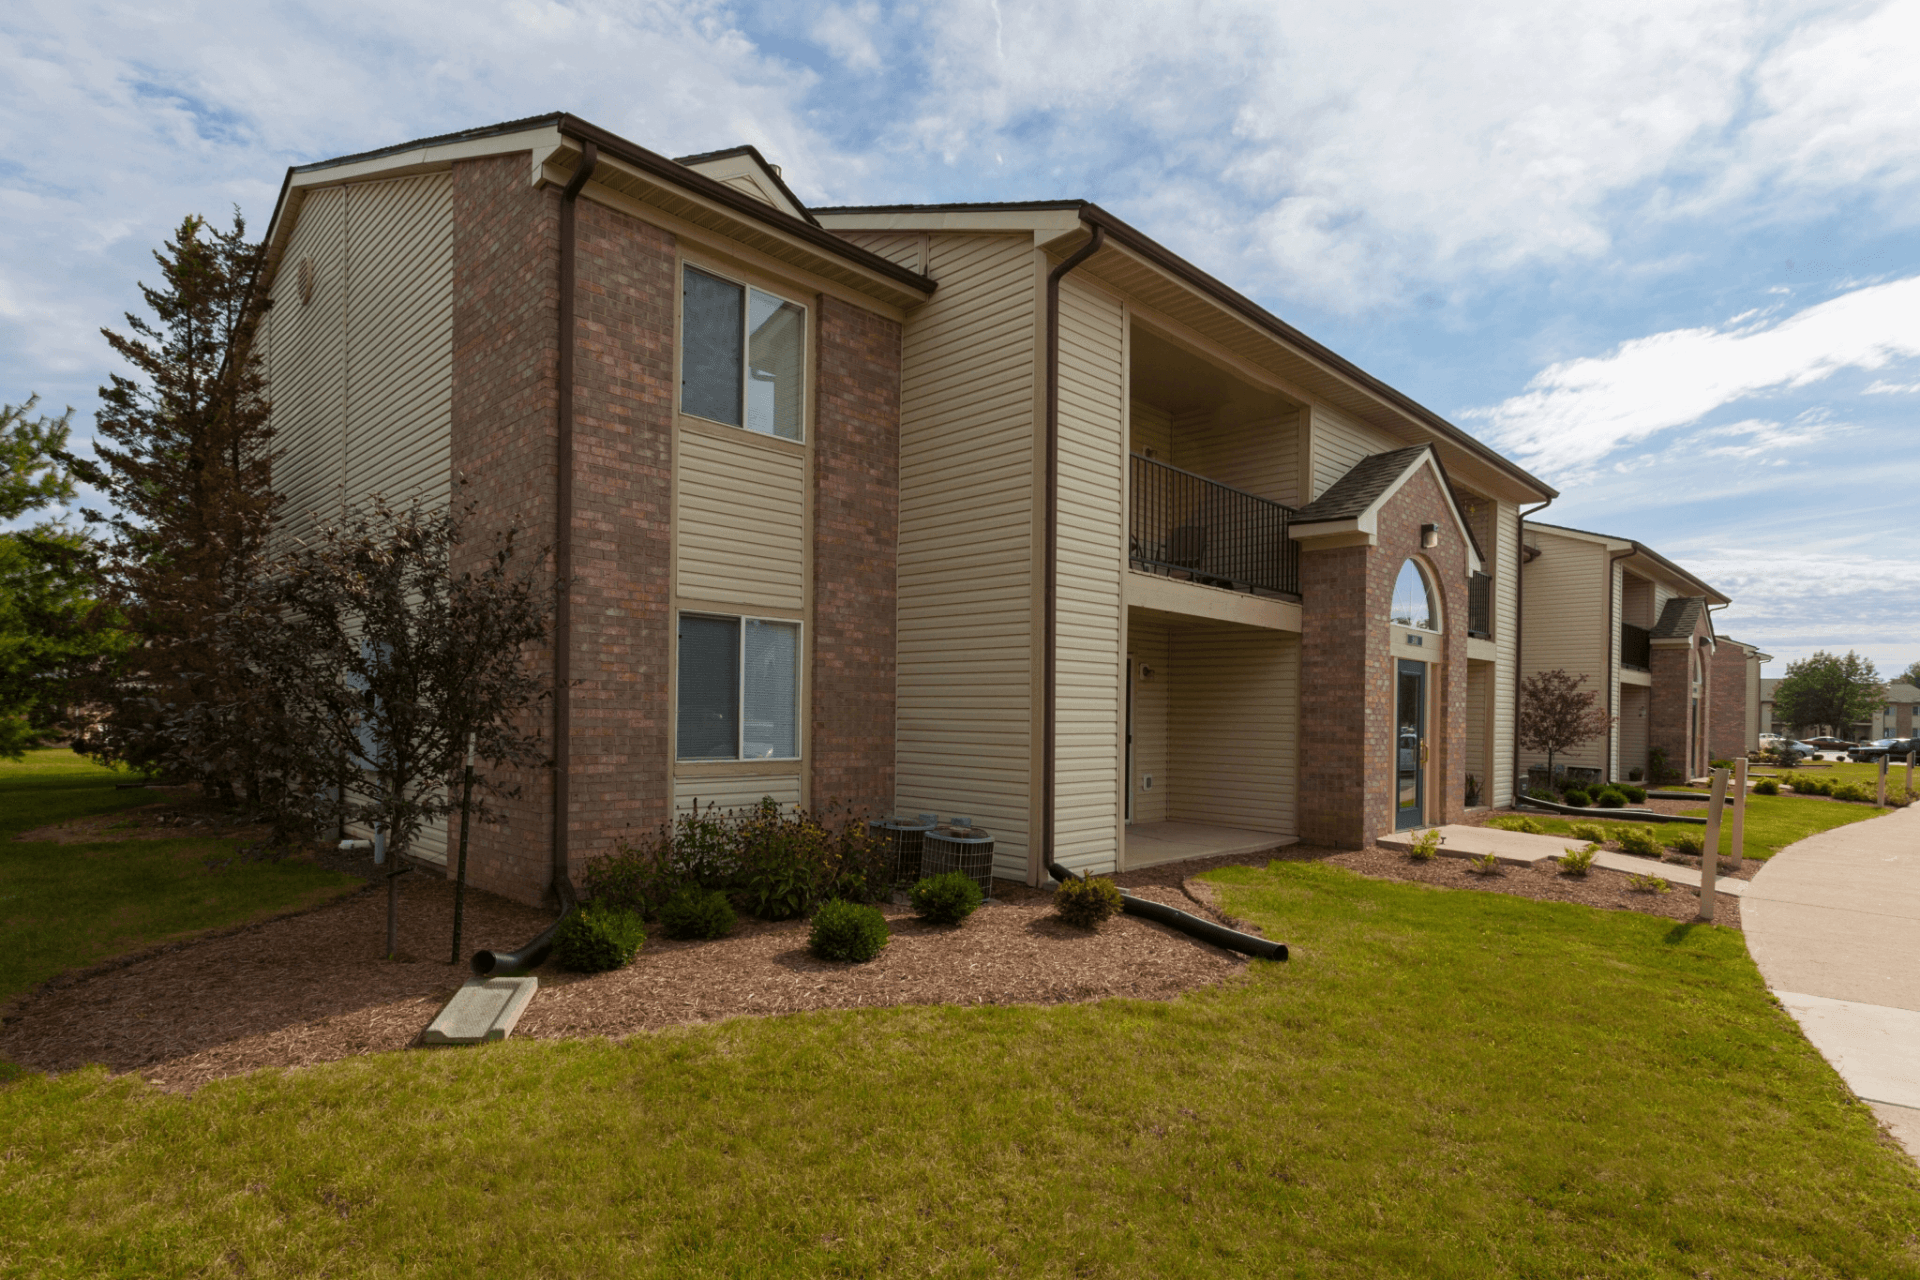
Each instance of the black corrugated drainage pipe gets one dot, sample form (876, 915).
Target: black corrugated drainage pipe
(506, 963)
(1174, 918)
(1049, 659)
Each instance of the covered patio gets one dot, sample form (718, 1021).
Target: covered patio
(1151, 843)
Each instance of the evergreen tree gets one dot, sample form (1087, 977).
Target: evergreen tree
(183, 457)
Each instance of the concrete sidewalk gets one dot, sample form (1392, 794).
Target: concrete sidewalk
(1519, 848)
(1834, 924)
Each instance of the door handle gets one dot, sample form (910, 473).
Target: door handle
(1423, 753)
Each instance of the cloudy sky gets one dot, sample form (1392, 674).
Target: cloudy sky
(1664, 254)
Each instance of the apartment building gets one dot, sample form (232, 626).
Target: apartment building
(995, 510)
(1895, 717)
(1639, 629)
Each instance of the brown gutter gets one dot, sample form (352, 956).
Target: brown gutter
(1520, 628)
(563, 536)
(1050, 659)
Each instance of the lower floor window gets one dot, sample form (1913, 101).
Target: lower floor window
(739, 689)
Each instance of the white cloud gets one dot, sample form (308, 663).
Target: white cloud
(1881, 387)
(845, 32)
(1575, 413)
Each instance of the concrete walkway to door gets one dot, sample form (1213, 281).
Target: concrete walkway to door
(1834, 924)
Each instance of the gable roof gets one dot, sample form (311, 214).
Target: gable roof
(1639, 549)
(1354, 500)
(745, 169)
(1681, 617)
(621, 161)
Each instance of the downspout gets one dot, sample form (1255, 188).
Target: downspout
(1049, 660)
(1613, 648)
(535, 952)
(1520, 628)
(563, 538)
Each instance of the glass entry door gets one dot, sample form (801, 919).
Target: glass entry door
(1410, 744)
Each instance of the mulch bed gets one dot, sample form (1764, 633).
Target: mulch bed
(314, 988)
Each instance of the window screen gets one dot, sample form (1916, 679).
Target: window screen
(711, 335)
(770, 675)
(709, 726)
(776, 342)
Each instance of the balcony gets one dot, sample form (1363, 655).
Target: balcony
(1636, 647)
(1480, 606)
(1187, 526)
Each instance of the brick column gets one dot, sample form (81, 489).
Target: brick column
(856, 522)
(1669, 708)
(1727, 737)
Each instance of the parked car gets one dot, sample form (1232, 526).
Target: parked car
(1830, 744)
(1894, 747)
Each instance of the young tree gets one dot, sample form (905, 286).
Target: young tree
(1910, 676)
(48, 640)
(381, 669)
(1556, 716)
(183, 458)
(1827, 689)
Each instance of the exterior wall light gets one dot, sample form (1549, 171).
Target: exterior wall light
(1429, 536)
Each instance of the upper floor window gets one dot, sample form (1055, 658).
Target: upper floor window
(742, 356)
(1413, 599)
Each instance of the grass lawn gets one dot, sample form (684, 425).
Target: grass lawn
(1773, 822)
(1439, 1083)
(66, 905)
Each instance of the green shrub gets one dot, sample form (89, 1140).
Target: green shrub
(849, 931)
(1591, 832)
(1424, 846)
(1719, 764)
(1858, 792)
(697, 913)
(1638, 795)
(1650, 884)
(947, 898)
(1577, 862)
(1518, 822)
(1690, 841)
(1540, 793)
(1487, 865)
(1813, 786)
(1611, 798)
(1575, 796)
(1767, 787)
(599, 937)
(1087, 903)
(1640, 842)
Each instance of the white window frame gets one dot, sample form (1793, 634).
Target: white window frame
(746, 347)
(740, 688)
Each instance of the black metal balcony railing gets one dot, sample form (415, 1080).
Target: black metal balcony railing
(1636, 647)
(1480, 605)
(1188, 526)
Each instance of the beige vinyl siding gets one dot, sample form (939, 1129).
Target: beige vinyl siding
(306, 364)
(1234, 727)
(742, 520)
(1149, 646)
(1339, 443)
(1506, 641)
(1636, 600)
(1151, 428)
(1566, 600)
(1610, 640)
(1480, 680)
(1093, 380)
(400, 339)
(1260, 456)
(906, 249)
(965, 576)
(361, 376)
(737, 791)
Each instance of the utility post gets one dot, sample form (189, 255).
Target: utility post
(1910, 772)
(1710, 852)
(1736, 857)
(1881, 797)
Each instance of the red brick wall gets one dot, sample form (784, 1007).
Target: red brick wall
(1347, 674)
(505, 307)
(624, 300)
(856, 515)
(1727, 735)
(506, 290)
(1670, 715)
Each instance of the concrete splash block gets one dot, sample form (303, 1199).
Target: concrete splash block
(481, 1011)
